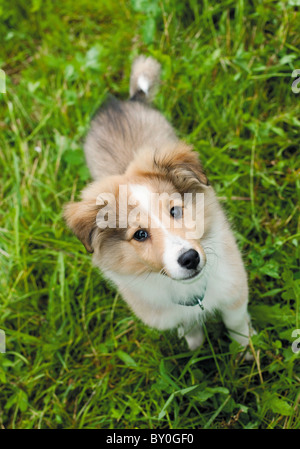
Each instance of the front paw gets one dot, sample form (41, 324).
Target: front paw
(195, 339)
(249, 353)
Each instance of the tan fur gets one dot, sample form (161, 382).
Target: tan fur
(81, 218)
(119, 132)
(130, 144)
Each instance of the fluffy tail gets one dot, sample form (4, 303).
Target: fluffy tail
(144, 79)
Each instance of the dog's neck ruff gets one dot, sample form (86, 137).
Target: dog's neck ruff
(196, 300)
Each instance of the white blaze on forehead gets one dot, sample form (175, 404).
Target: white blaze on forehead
(174, 245)
(142, 195)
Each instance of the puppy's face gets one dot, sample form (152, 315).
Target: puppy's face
(151, 219)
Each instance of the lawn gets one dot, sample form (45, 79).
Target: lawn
(76, 357)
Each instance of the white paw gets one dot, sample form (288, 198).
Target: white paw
(195, 339)
(249, 356)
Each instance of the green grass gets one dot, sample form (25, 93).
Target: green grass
(76, 356)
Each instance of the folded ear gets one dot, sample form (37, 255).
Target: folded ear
(178, 162)
(81, 219)
(183, 165)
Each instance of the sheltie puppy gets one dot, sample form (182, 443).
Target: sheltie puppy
(153, 221)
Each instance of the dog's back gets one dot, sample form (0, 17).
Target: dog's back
(122, 128)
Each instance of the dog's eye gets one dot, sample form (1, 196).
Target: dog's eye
(176, 212)
(140, 235)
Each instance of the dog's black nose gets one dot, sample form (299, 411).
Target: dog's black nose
(189, 260)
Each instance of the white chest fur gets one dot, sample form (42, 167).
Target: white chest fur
(155, 298)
